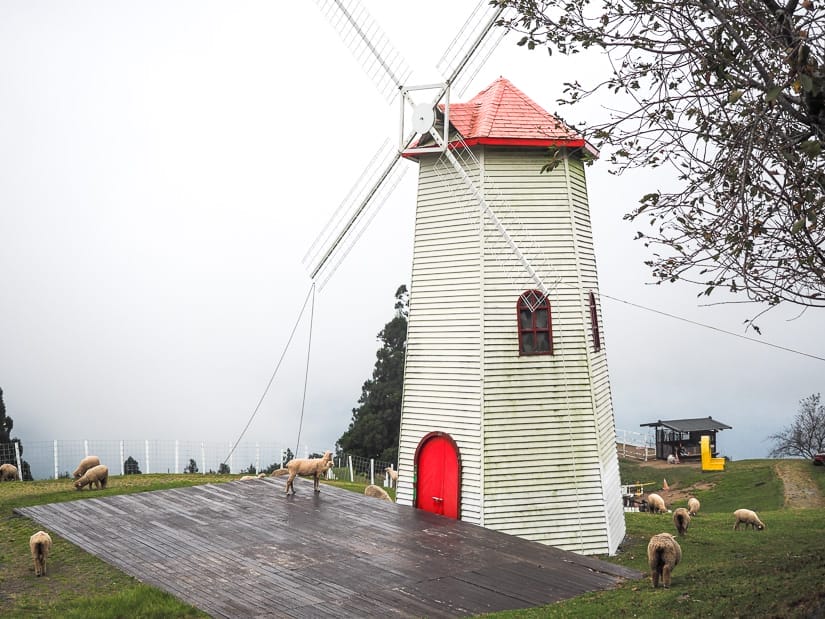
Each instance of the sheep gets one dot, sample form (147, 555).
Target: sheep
(693, 506)
(8, 472)
(305, 466)
(681, 518)
(40, 544)
(663, 554)
(96, 475)
(377, 492)
(656, 504)
(747, 517)
(258, 476)
(85, 464)
(393, 475)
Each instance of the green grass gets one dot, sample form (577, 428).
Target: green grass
(779, 572)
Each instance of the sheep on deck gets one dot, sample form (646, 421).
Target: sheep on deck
(377, 492)
(8, 472)
(693, 506)
(681, 518)
(96, 475)
(248, 477)
(85, 464)
(40, 544)
(747, 517)
(306, 467)
(663, 554)
(656, 504)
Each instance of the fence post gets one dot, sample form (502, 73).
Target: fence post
(351, 472)
(85, 448)
(56, 468)
(122, 461)
(146, 443)
(17, 457)
(203, 458)
(372, 471)
(257, 458)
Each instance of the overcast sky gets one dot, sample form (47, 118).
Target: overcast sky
(164, 167)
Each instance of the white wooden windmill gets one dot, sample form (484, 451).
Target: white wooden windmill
(507, 418)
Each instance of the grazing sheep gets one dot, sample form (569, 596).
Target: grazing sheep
(306, 466)
(85, 464)
(377, 492)
(96, 475)
(258, 476)
(747, 517)
(656, 504)
(693, 506)
(663, 554)
(393, 475)
(681, 518)
(40, 544)
(8, 472)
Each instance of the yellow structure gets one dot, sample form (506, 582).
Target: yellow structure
(709, 463)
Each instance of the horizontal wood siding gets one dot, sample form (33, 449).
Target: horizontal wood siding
(546, 418)
(442, 384)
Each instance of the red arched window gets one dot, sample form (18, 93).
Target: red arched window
(594, 324)
(535, 324)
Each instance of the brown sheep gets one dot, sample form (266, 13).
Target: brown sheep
(85, 464)
(377, 492)
(306, 467)
(8, 472)
(663, 554)
(96, 475)
(747, 517)
(40, 544)
(393, 475)
(681, 518)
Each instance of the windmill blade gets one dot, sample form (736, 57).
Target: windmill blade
(472, 46)
(361, 34)
(498, 219)
(355, 213)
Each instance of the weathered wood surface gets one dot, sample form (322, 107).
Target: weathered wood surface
(244, 549)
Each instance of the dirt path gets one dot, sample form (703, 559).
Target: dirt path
(800, 489)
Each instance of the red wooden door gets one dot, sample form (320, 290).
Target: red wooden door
(437, 486)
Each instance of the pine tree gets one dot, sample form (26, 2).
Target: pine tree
(376, 423)
(7, 453)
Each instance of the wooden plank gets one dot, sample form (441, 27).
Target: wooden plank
(246, 549)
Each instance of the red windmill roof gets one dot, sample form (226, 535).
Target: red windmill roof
(502, 115)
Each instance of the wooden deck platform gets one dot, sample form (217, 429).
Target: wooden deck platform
(244, 549)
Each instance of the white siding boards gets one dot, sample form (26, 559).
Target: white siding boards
(535, 434)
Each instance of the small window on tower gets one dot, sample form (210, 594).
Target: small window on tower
(535, 324)
(594, 324)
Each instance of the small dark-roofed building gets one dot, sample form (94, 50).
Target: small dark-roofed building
(681, 437)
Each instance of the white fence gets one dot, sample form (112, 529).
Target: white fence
(637, 445)
(59, 458)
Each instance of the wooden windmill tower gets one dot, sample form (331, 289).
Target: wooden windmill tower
(507, 419)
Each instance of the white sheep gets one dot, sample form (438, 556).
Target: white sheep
(377, 492)
(693, 506)
(656, 504)
(8, 472)
(663, 554)
(393, 475)
(681, 518)
(747, 517)
(85, 464)
(306, 466)
(40, 544)
(96, 475)
(258, 476)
